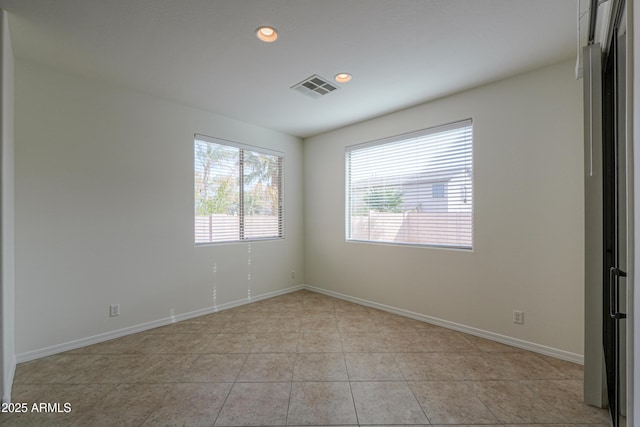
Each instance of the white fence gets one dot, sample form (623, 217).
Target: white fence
(224, 228)
(447, 228)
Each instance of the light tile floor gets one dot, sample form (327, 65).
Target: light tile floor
(302, 359)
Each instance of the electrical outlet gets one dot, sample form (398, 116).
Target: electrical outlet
(114, 310)
(518, 317)
(293, 274)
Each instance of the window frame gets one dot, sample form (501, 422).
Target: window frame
(459, 124)
(241, 202)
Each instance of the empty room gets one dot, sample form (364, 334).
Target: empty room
(305, 213)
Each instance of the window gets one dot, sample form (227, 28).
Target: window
(438, 189)
(412, 189)
(238, 191)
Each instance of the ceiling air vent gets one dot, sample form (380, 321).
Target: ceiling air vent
(314, 87)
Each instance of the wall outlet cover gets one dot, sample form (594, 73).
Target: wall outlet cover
(114, 310)
(518, 317)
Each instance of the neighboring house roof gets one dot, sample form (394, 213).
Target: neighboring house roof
(424, 177)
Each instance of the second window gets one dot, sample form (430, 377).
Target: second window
(238, 192)
(412, 189)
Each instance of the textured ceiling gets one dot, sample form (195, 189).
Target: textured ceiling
(203, 53)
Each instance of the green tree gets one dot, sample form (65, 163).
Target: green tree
(215, 188)
(384, 200)
(262, 177)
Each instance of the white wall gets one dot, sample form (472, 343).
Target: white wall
(7, 284)
(104, 212)
(528, 216)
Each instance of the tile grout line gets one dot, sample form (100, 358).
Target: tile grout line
(286, 418)
(246, 356)
(160, 403)
(424, 411)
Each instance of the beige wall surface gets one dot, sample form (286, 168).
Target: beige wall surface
(528, 243)
(104, 211)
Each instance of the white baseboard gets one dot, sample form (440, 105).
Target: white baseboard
(8, 382)
(95, 339)
(503, 339)
(515, 342)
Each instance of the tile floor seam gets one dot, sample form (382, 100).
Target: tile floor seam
(159, 404)
(184, 371)
(353, 402)
(484, 403)
(222, 405)
(246, 355)
(286, 419)
(426, 413)
(244, 362)
(395, 359)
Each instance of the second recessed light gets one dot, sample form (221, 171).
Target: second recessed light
(267, 34)
(342, 77)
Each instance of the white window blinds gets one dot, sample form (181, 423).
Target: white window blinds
(238, 191)
(412, 189)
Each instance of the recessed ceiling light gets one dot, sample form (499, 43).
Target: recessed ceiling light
(342, 77)
(267, 34)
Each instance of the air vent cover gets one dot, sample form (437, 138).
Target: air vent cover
(314, 87)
